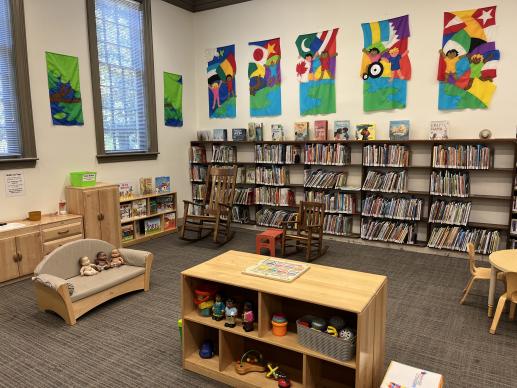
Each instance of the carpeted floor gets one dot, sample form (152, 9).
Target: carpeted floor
(134, 341)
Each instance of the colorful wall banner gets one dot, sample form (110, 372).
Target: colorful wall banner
(265, 78)
(221, 71)
(316, 71)
(172, 99)
(468, 59)
(385, 67)
(64, 89)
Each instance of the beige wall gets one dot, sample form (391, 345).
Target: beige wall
(60, 26)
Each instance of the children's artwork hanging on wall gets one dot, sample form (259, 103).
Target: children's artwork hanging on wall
(385, 67)
(316, 71)
(221, 82)
(64, 89)
(468, 59)
(265, 78)
(172, 99)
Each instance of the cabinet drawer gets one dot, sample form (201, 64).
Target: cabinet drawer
(59, 232)
(51, 245)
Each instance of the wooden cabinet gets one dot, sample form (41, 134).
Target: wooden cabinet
(99, 206)
(29, 251)
(8, 259)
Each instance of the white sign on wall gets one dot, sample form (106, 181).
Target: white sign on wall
(14, 184)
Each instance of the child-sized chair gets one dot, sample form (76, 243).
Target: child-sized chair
(511, 294)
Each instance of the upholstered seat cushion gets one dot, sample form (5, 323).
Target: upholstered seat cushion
(85, 286)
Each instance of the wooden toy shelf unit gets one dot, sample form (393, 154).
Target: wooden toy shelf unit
(358, 297)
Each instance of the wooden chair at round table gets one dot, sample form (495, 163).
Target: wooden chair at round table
(510, 294)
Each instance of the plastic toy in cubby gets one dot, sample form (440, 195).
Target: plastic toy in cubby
(230, 312)
(274, 372)
(218, 308)
(279, 324)
(247, 317)
(251, 361)
(204, 298)
(207, 349)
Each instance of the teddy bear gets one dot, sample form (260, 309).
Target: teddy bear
(116, 258)
(87, 268)
(102, 260)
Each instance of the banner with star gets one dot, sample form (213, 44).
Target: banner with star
(316, 72)
(265, 78)
(221, 71)
(385, 66)
(468, 59)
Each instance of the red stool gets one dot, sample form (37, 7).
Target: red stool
(267, 239)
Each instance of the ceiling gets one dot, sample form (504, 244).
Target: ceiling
(202, 5)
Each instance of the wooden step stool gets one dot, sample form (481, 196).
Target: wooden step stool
(267, 239)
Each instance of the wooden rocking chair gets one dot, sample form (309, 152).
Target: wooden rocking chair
(216, 208)
(308, 228)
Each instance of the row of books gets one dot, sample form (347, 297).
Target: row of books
(272, 176)
(328, 154)
(394, 208)
(390, 231)
(224, 154)
(462, 156)
(148, 227)
(244, 196)
(452, 213)
(198, 191)
(456, 238)
(323, 179)
(279, 196)
(197, 154)
(273, 218)
(386, 155)
(240, 214)
(277, 153)
(388, 182)
(246, 175)
(337, 224)
(198, 173)
(301, 130)
(252, 133)
(334, 202)
(136, 208)
(450, 184)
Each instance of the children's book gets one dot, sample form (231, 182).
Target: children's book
(220, 134)
(128, 232)
(277, 132)
(365, 132)
(301, 131)
(125, 190)
(125, 211)
(321, 129)
(146, 186)
(252, 132)
(139, 208)
(256, 129)
(203, 135)
(399, 130)
(250, 174)
(152, 225)
(169, 221)
(342, 130)
(164, 203)
(276, 269)
(400, 375)
(162, 184)
(439, 130)
(239, 134)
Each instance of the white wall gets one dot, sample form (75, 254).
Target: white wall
(60, 26)
(264, 19)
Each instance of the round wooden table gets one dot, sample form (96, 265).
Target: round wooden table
(506, 261)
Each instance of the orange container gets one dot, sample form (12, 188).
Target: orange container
(279, 329)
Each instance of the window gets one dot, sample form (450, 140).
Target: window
(16, 129)
(123, 80)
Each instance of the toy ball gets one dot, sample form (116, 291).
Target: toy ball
(207, 349)
(337, 322)
(346, 334)
(332, 331)
(284, 383)
(485, 134)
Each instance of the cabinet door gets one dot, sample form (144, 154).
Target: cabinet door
(109, 201)
(8, 265)
(31, 251)
(92, 228)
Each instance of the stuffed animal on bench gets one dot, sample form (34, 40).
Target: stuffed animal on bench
(87, 268)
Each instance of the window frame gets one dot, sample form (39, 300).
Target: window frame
(152, 152)
(28, 157)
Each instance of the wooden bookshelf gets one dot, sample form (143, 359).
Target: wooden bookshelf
(138, 222)
(323, 291)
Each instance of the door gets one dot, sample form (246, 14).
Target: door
(30, 250)
(109, 203)
(91, 214)
(8, 264)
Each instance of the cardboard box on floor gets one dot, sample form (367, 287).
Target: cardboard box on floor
(405, 376)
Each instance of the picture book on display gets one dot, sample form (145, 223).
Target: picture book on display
(252, 132)
(128, 232)
(301, 131)
(125, 190)
(169, 221)
(365, 132)
(164, 203)
(203, 135)
(125, 211)
(146, 186)
(139, 208)
(162, 184)
(220, 134)
(399, 130)
(439, 130)
(400, 375)
(277, 132)
(321, 129)
(152, 225)
(258, 131)
(239, 134)
(342, 130)
(276, 269)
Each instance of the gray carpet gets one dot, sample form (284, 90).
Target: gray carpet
(134, 341)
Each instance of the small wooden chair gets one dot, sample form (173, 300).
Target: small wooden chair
(478, 273)
(511, 294)
(216, 213)
(308, 226)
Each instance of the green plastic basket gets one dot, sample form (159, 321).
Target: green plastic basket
(83, 178)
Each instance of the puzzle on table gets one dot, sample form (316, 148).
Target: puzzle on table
(284, 271)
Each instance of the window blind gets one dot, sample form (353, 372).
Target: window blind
(120, 44)
(9, 120)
